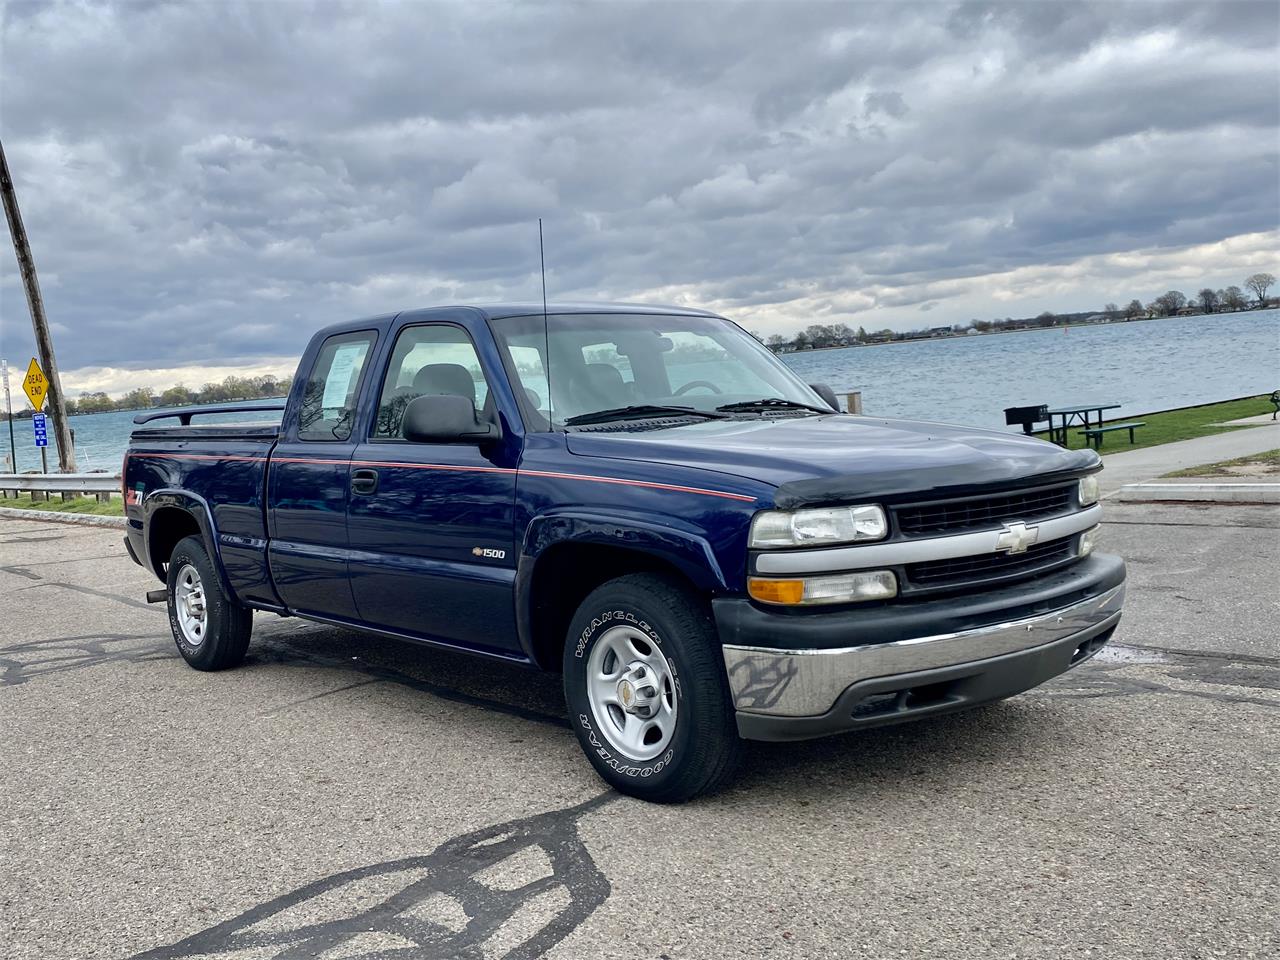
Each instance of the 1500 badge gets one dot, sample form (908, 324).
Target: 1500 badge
(488, 553)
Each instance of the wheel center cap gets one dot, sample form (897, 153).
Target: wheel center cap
(638, 691)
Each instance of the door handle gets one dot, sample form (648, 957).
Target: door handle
(364, 482)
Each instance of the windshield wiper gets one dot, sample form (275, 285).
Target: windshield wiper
(638, 411)
(766, 403)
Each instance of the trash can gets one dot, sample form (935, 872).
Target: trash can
(1026, 417)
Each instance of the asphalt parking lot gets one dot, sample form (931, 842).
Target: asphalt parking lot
(342, 797)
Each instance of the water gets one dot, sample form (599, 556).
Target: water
(1146, 366)
(101, 438)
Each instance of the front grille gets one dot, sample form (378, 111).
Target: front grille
(932, 574)
(972, 513)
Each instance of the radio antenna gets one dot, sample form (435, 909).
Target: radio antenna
(546, 325)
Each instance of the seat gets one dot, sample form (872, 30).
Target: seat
(434, 378)
(445, 378)
(603, 388)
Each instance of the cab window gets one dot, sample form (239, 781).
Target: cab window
(431, 359)
(329, 398)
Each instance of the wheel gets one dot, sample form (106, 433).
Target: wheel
(647, 692)
(211, 630)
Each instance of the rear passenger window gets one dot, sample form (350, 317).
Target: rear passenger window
(437, 358)
(329, 399)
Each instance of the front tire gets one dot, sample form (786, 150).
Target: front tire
(647, 693)
(211, 630)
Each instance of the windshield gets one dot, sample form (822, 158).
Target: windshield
(610, 361)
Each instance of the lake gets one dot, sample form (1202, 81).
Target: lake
(101, 438)
(1147, 365)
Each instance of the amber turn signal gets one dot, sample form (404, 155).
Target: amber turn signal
(775, 591)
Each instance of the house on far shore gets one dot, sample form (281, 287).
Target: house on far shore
(1188, 312)
(1097, 318)
(940, 332)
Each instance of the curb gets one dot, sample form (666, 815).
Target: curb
(83, 519)
(1265, 493)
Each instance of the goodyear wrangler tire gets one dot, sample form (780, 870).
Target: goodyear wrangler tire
(647, 693)
(211, 629)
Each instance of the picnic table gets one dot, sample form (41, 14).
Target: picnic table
(1079, 413)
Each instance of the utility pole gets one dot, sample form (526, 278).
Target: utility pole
(8, 406)
(44, 342)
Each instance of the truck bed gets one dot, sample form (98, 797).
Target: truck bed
(216, 472)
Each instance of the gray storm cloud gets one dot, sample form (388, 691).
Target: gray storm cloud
(204, 182)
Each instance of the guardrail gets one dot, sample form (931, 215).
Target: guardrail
(40, 485)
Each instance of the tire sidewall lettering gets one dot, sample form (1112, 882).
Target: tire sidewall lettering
(621, 765)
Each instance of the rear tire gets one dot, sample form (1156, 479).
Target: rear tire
(648, 698)
(211, 630)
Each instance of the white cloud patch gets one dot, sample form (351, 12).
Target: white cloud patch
(734, 192)
(490, 194)
(118, 380)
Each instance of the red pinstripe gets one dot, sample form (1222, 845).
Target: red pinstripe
(457, 468)
(640, 483)
(193, 456)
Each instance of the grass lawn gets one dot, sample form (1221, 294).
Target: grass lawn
(1262, 464)
(112, 508)
(1185, 424)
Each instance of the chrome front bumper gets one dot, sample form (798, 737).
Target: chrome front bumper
(781, 683)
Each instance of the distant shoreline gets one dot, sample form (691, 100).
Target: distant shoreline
(996, 333)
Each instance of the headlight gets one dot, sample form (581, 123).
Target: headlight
(1088, 490)
(841, 588)
(1088, 540)
(799, 528)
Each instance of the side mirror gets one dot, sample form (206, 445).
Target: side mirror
(827, 394)
(446, 418)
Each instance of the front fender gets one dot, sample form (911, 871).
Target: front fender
(682, 547)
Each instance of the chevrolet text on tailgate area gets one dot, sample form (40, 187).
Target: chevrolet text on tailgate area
(645, 499)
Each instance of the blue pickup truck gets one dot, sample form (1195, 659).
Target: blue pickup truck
(645, 499)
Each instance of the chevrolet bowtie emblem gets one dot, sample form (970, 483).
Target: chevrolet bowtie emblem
(1016, 537)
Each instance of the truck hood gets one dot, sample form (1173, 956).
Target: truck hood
(830, 459)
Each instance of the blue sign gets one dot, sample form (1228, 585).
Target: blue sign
(40, 424)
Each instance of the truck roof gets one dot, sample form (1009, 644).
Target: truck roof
(495, 311)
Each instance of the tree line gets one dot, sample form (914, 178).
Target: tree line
(1207, 300)
(1168, 304)
(180, 395)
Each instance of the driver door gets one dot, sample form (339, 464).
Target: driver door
(430, 525)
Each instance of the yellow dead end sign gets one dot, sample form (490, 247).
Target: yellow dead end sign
(35, 385)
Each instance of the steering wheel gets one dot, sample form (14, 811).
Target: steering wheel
(697, 383)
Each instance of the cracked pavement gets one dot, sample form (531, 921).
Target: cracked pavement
(346, 797)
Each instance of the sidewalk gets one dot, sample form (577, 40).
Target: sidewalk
(1128, 468)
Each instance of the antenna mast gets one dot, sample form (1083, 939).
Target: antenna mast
(546, 326)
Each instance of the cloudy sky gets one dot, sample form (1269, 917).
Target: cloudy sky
(204, 184)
